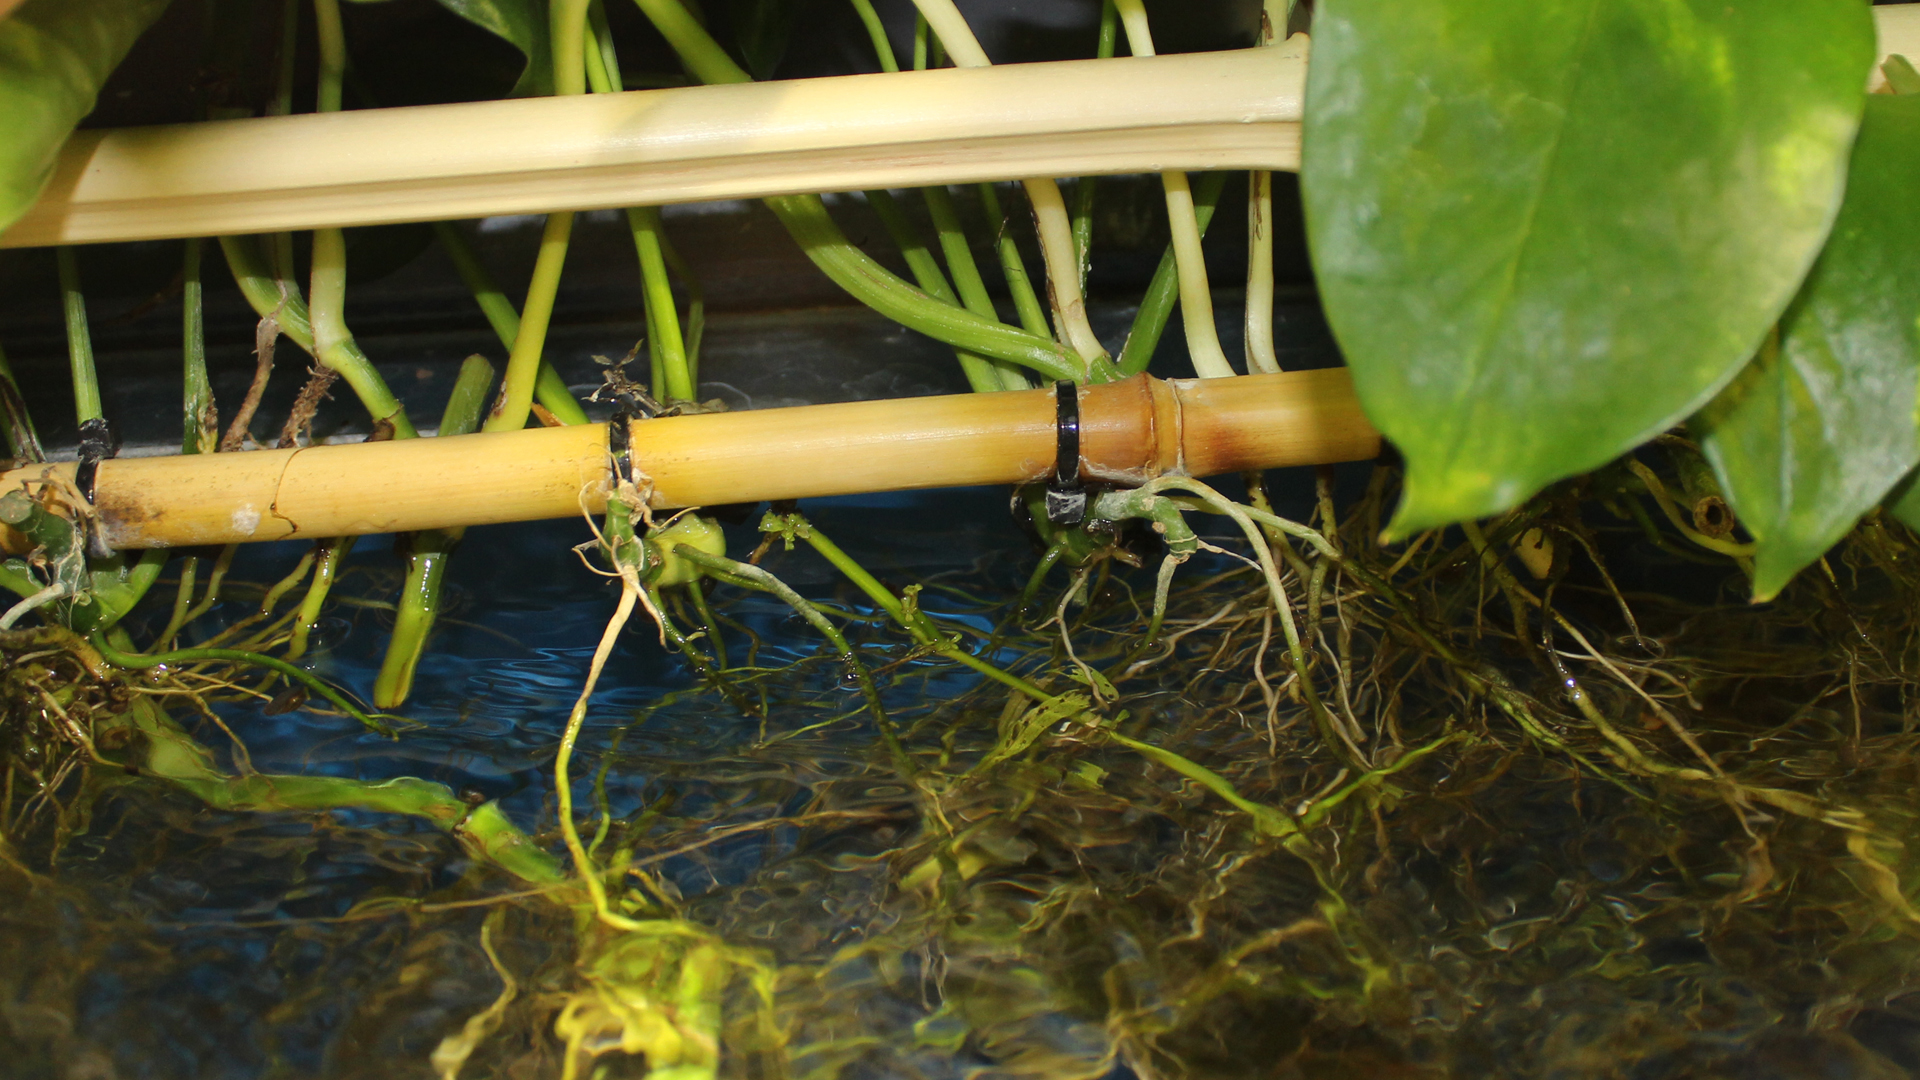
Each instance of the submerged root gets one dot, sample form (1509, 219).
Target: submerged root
(1341, 806)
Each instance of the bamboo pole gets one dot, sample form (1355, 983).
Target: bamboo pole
(1236, 110)
(1201, 111)
(1131, 431)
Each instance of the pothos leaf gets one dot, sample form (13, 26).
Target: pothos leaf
(1544, 232)
(54, 57)
(1029, 726)
(1816, 431)
(522, 24)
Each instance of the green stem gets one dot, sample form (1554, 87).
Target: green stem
(568, 30)
(966, 275)
(1266, 819)
(1033, 315)
(981, 373)
(284, 65)
(138, 661)
(525, 360)
(549, 389)
(326, 562)
(696, 306)
(200, 432)
(665, 346)
(428, 553)
(86, 383)
(705, 60)
(485, 831)
(418, 607)
(266, 293)
(1157, 305)
(17, 583)
(755, 577)
(182, 599)
(807, 220)
(23, 442)
(1259, 314)
(1084, 192)
(333, 55)
(333, 343)
(916, 623)
(1196, 298)
(882, 48)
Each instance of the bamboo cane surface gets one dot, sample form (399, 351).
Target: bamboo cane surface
(1131, 431)
(1237, 109)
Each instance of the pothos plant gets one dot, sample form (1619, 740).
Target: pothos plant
(1545, 234)
(1542, 234)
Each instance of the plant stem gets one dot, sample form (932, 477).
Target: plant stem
(878, 33)
(86, 383)
(666, 348)
(414, 614)
(568, 30)
(23, 442)
(806, 218)
(1033, 317)
(705, 60)
(1259, 327)
(1260, 352)
(549, 389)
(306, 678)
(758, 578)
(1084, 192)
(1157, 304)
(980, 372)
(201, 425)
(966, 274)
(328, 554)
(525, 359)
(1196, 298)
(428, 553)
(665, 345)
(174, 756)
(915, 623)
(266, 293)
(333, 343)
(696, 306)
(1049, 209)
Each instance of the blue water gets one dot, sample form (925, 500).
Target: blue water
(227, 966)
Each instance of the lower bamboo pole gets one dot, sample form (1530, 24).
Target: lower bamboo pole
(1131, 431)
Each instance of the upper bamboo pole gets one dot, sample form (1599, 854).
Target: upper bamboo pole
(1130, 431)
(1236, 110)
(1226, 110)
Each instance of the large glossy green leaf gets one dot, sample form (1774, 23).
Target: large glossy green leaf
(54, 57)
(522, 24)
(1814, 433)
(1543, 232)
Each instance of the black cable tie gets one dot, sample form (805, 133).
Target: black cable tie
(97, 444)
(1066, 495)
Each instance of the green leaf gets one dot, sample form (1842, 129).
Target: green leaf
(1544, 232)
(1029, 726)
(54, 57)
(522, 24)
(1815, 432)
